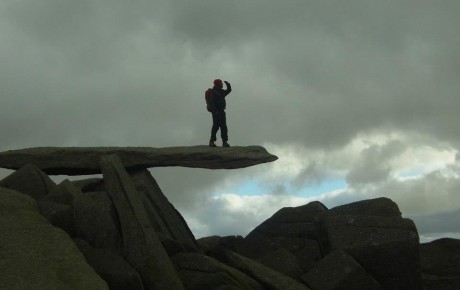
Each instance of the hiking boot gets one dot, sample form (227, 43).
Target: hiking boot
(225, 144)
(211, 144)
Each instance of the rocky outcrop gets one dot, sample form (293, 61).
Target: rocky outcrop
(374, 245)
(376, 236)
(36, 255)
(169, 225)
(292, 229)
(118, 274)
(141, 246)
(117, 222)
(269, 278)
(199, 272)
(134, 238)
(29, 179)
(340, 271)
(284, 262)
(85, 160)
(440, 261)
(96, 221)
(59, 215)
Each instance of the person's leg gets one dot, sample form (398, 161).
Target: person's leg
(224, 130)
(214, 129)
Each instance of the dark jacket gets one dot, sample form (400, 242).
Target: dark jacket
(218, 98)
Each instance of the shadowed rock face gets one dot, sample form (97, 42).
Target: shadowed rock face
(29, 180)
(167, 221)
(134, 238)
(85, 160)
(377, 237)
(36, 255)
(440, 261)
(141, 246)
(269, 278)
(340, 271)
(199, 272)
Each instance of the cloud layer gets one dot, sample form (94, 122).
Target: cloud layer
(358, 93)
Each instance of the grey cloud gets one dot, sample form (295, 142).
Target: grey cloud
(434, 193)
(311, 73)
(431, 194)
(313, 174)
(330, 70)
(188, 188)
(431, 201)
(280, 189)
(220, 221)
(374, 164)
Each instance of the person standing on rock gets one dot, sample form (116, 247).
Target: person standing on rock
(216, 105)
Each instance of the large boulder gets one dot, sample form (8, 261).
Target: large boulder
(284, 262)
(290, 228)
(36, 255)
(266, 276)
(96, 221)
(440, 261)
(199, 272)
(141, 246)
(385, 244)
(382, 206)
(118, 274)
(295, 222)
(59, 215)
(168, 222)
(340, 271)
(207, 244)
(289, 256)
(85, 160)
(29, 179)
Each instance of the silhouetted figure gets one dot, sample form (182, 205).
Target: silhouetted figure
(216, 106)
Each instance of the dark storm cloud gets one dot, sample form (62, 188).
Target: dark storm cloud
(326, 71)
(316, 74)
(349, 66)
(73, 75)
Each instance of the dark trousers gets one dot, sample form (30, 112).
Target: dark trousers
(219, 121)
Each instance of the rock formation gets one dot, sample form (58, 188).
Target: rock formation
(121, 232)
(345, 272)
(36, 255)
(376, 236)
(85, 160)
(440, 261)
(30, 180)
(141, 245)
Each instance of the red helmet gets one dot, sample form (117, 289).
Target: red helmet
(218, 82)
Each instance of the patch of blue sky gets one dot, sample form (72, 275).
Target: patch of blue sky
(251, 188)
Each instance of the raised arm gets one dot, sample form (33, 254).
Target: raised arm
(229, 88)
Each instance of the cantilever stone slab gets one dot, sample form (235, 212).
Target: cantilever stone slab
(85, 160)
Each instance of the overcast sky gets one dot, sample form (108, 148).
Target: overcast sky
(359, 99)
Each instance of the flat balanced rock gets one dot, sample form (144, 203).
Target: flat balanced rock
(86, 160)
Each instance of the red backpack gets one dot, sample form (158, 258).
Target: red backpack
(208, 98)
